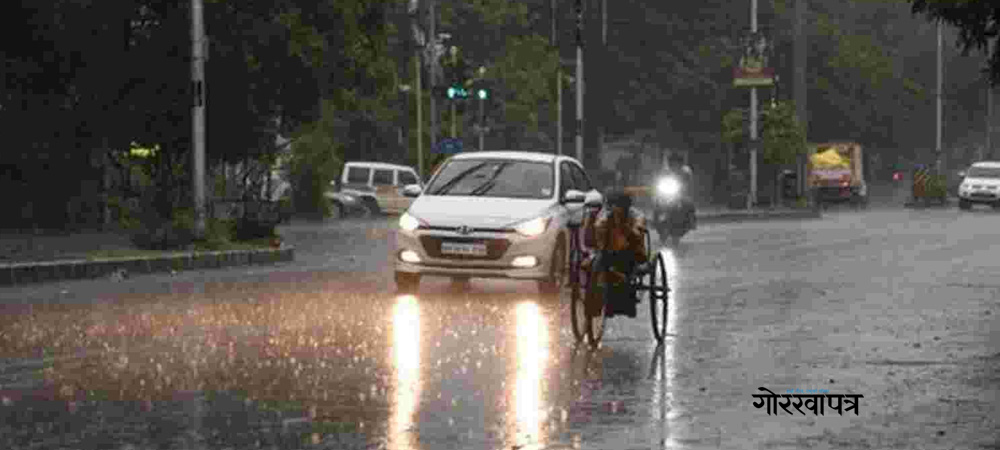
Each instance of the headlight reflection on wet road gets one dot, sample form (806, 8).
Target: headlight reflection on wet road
(406, 359)
(665, 407)
(532, 354)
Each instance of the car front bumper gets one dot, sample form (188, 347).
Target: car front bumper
(503, 248)
(979, 196)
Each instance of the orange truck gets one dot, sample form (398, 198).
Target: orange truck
(835, 170)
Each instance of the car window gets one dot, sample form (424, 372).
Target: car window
(406, 177)
(983, 172)
(382, 177)
(494, 178)
(580, 179)
(566, 180)
(358, 175)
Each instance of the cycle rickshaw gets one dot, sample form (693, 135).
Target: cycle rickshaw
(647, 281)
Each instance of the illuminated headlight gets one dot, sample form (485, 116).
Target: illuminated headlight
(408, 222)
(533, 227)
(668, 187)
(524, 261)
(409, 256)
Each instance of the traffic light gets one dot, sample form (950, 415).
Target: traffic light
(457, 92)
(482, 93)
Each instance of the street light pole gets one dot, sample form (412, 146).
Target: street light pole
(752, 198)
(198, 115)
(579, 80)
(433, 39)
(482, 121)
(937, 142)
(559, 93)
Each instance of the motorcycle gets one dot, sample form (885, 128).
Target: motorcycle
(673, 217)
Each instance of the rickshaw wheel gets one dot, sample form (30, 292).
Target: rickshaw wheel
(659, 295)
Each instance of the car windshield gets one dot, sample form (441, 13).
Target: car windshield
(494, 178)
(984, 172)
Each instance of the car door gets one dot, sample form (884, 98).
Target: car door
(385, 189)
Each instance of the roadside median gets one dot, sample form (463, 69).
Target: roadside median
(19, 273)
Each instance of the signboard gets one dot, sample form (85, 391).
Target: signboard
(752, 69)
(449, 146)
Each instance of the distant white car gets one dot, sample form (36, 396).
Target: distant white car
(980, 184)
(493, 215)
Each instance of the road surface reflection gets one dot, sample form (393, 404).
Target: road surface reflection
(406, 358)
(664, 365)
(532, 356)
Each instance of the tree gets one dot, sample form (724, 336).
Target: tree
(976, 22)
(783, 138)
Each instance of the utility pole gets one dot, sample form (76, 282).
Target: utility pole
(413, 11)
(198, 115)
(554, 42)
(989, 109)
(420, 119)
(579, 80)
(800, 91)
(937, 142)
(433, 39)
(454, 62)
(482, 119)
(752, 198)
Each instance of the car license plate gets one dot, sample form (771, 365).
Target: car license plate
(464, 249)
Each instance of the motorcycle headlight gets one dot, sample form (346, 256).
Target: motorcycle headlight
(533, 227)
(409, 223)
(668, 187)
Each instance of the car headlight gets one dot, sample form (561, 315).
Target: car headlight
(668, 187)
(409, 223)
(533, 227)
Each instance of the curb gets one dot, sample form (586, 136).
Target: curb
(758, 216)
(46, 271)
(931, 205)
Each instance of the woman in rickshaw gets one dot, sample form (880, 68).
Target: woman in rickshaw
(617, 233)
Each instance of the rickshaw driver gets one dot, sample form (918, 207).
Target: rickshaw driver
(619, 238)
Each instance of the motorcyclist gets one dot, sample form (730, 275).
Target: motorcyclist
(619, 238)
(675, 167)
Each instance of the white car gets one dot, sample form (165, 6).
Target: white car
(980, 184)
(502, 214)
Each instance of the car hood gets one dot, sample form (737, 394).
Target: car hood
(981, 181)
(486, 212)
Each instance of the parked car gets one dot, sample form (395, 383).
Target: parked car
(379, 185)
(980, 185)
(501, 214)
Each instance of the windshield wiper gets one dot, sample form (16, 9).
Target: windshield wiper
(461, 175)
(488, 184)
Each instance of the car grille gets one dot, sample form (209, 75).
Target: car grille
(495, 248)
(986, 195)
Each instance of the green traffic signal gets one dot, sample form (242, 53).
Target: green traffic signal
(483, 94)
(457, 92)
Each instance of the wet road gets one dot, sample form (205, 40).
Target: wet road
(898, 306)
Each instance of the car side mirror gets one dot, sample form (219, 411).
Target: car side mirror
(412, 190)
(574, 196)
(594, 199)
(961, 174)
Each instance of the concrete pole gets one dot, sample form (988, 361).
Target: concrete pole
(937, 141)
(579, 80)
(554, 41)
(799, 83)
(433, 39)
(198, 116)
(752, 198)
(989, 109)
(482, 123)
(420, 120)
